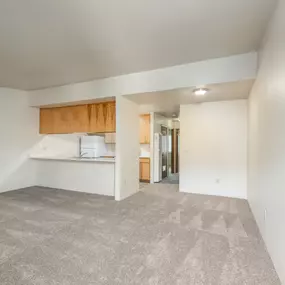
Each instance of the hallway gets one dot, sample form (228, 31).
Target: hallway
(173, 178)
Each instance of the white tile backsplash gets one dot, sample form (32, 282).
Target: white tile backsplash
(57, 145)
(145, 150)
(68, 146)
(110, 150)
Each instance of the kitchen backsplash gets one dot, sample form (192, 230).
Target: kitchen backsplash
(145, 150)
(57, 145)
(110, 150)
(68, 146)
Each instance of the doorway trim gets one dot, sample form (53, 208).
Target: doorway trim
(174, 151)
(164, 128)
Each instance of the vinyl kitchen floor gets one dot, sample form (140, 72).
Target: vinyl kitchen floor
(158, 236)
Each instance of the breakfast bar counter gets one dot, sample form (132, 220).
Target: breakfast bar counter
(90, 175)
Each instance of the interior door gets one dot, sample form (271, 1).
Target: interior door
(164, 150)
(175, 151)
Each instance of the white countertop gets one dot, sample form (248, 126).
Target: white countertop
(79, 159)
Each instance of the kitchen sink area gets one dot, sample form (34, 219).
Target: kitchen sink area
(77, 162)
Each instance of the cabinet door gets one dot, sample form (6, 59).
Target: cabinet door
(103, 117)
(110, 125)
(144, 169)
(97, 121)
(46, 121)
(60, 117)
(78, 119)
(145, 129)
(71, 119)
(64, 120)
(140, 172)
(96, 118)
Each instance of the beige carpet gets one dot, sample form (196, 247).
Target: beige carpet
(158, 236)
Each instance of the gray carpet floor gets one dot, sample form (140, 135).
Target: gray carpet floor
(158, 236)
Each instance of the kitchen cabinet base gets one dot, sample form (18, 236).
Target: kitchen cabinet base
(144, 181)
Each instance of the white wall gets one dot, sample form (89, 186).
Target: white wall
(19, 134)
(175, 124)
(151, 147)
(161, 120)
(213, 148)
(227, 69)
(266, 187)
(127, 148)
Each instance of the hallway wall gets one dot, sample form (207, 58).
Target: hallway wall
(127, 148)
(19, 135)
(213, 148)
(266, 185)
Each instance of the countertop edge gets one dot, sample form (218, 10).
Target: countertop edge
(93, 160)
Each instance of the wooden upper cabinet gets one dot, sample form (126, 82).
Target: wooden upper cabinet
(97, 121)
(46, 121)
(92, 118)
(77, 119)
(145, 129)
(110, 126)
(61, 118)
(103, 117)
(64, 120)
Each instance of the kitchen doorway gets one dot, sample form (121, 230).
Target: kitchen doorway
(164, 151)
(175, 140)
(172, 161)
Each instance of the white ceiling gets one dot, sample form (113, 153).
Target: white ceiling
(168, 102)
(46, 43)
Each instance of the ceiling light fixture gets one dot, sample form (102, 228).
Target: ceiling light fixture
(200, 91)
